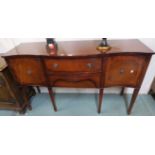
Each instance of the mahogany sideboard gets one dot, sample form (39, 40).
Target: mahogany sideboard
(78, 64)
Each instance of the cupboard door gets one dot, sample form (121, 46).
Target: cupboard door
(27, 71)
(124, 70)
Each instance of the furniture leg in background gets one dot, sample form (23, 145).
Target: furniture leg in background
(122, 91)
(38, 89)
(27, 103)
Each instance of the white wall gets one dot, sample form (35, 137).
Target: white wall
(6, 44)
(151, 69)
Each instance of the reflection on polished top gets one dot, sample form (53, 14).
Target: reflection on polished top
(79, 48)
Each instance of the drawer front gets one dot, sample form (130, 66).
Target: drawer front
(73, 65)
(124, 70)
(75, 81)
(27, 71)
(4, 91)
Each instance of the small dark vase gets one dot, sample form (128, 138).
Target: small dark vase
(103, 46)
(52, 41)
(104, 43)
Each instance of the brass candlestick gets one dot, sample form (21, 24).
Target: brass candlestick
(103, 46)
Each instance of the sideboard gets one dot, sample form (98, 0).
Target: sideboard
(78, 64)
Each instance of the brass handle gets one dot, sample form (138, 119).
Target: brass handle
(132, 71)
(90, 65)
(29, 72)
(121, 71)
(55, 65)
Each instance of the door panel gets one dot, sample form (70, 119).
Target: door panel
(27, 71)
(124, 70)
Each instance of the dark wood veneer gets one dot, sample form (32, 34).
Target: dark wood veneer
(78, 64)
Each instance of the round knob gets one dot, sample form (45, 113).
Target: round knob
(90, 65)
(29, 72)
(121, 71)
(55, 65)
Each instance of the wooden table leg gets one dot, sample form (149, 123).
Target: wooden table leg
(133, 99)
(38, 89)
(52, 98)
(26, 100)
(22, 111)
(122, 91)
(100, 100)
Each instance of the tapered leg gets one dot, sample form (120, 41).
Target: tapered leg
(52, 98)
(122, 91)
(29, 107)
(22, 111)
(133, 99)
(100, 100)
(26, 100)
(38, 89)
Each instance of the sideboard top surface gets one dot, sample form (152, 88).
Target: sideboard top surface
(79, 48)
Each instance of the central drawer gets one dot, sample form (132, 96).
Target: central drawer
(73, 65)
(75, 80)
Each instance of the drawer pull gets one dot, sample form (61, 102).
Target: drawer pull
(121, 71)
(55, 65)
(132, 71)
(90, 65)
(29, 72)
